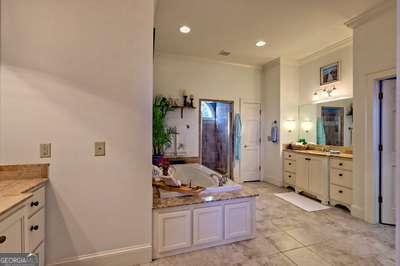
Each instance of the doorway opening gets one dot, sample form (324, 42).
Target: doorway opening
(387, 151)
(216, 136)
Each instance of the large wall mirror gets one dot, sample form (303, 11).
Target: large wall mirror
(328, 123)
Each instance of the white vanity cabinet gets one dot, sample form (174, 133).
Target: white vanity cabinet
(191, 227)
(312, 176)
(22, 228)
(341, 184)
(289, 169)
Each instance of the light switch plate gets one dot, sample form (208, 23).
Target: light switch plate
(45, 150)
(100, 148)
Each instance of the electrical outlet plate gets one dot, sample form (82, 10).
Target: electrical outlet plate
(100, 148)
(45, 150)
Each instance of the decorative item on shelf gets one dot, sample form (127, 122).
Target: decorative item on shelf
(275, 132)
(290, 125)
(185, 98)
(191, 100)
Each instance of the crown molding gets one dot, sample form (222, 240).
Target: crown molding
(204, 60)
(327, 50)
(370, 14)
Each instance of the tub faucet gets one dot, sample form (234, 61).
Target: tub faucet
(222, 179)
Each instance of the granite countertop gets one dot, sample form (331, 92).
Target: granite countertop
(15, 191)
(159, 203)
(322, 153)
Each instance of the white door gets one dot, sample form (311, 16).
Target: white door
(250, 165)
(388, 151)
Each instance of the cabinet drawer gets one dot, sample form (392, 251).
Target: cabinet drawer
(37, 201)
(289, 166)
(289, 155)
(290, 178)
(341, 194)
(40, 253)
(342, 177)
(36, 230)
(341, 164)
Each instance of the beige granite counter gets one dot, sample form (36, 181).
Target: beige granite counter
(16, 181)
(159, 203)
(322, 153)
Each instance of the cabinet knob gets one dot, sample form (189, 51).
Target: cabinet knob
(340, 191)
(34, 227)
(290, 176)
(3, 239)
(340, 164)
(290, 156)
(340, 174)
(290, 163)
(34, 203)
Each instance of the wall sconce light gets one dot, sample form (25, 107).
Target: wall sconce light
(307, 126)
(290, 125)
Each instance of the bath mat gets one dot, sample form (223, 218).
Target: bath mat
(302, 201)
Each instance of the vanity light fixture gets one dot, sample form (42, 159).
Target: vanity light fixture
(260, 43)
(184, 29)
(325, 89)
(290, 125)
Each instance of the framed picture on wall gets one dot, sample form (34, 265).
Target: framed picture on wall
(330, 73)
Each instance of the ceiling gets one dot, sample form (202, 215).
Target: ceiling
(291, 28)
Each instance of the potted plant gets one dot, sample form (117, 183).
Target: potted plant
(162, 134)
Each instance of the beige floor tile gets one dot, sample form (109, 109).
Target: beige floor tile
(283, 242)
(308, 236)
(304, 257)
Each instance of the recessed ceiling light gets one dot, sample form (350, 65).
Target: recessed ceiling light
(184, 29)
(260, 43)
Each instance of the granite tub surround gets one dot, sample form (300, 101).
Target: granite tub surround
(288, 235)
(159, 203)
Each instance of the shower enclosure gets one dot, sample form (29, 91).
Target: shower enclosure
(216, 135)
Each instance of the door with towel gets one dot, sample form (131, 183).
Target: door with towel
(250, 163)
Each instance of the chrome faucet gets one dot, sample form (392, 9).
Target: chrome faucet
(222, 179)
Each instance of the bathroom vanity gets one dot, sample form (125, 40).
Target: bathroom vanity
(327, 177)
(22, 209)
(184, 224)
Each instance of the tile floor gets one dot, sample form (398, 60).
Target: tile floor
(287, 235)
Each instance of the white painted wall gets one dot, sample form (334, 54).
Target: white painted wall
(310, 77)
(374, 53)
(289, 98)
(280, 94)
(271, 86)
(206, 80)
(75, 72)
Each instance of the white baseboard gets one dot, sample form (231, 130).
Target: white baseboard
(274, 181)
(116, 257)
(357, 211)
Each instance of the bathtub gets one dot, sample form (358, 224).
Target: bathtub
(201, 176)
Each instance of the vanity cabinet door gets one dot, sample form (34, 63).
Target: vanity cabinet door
(207, 225)
(11, 233)
(315, 175)
(237, 220)
(174, 230)
(302, 172)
